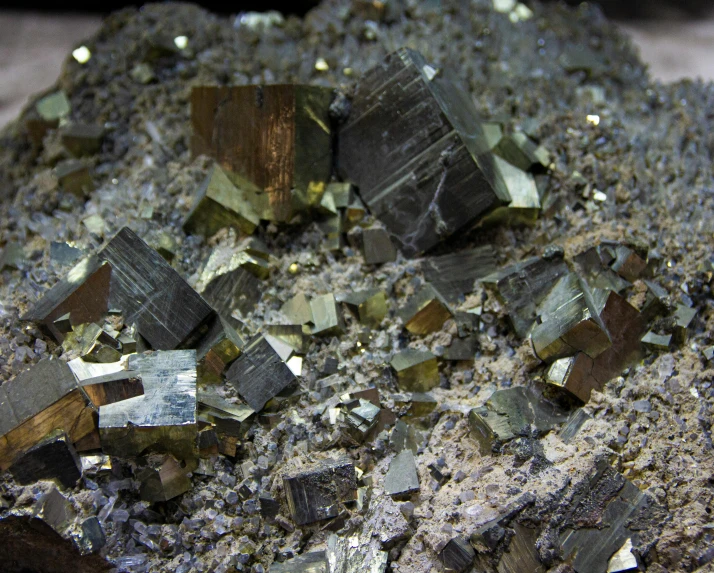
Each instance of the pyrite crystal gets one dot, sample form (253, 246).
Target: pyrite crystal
(38, 401)
(219, 204)
(277, 138)
(417, 370)
(457, 556)
(427, 171)
(164, 419)
(53, 458)
(319, 492)
(259, 373)
(401, 478)
(425, 312)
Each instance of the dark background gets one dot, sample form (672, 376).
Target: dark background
(615, 8)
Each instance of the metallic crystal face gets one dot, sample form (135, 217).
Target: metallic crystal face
(377, 247)
(370, 305)
(162, 480)
(297, 310)
(217, 350)
(425, 312)
(417, 370)
(512, 412)
(401, 478)
(53, 107)
(82, 139)
(167, 312)
(457, 555)
(319, 492)
(521, 555)
(621, 509)
(455, 274)
(38, 401)
(54, 458)
(220, 204)
(623, 559)
(521, 152)
(73, 177)
(326, 316)
(163, 419)
(113, 387)
(277, 138)
(259, 373)
(427, 171)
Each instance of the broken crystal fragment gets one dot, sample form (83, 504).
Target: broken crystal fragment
(38, 401)
(319, 492)
(219, 204)
(162, 480)
(401, 478)
(510, 413)
(73, 177)
(417, 370)
(237, 289)
(370, 305)
(277, 137)
(326, 316)
(313, 562)
(455, 274)
(164, 418)
(227, 418)
(457, 555)
(259, 374)
(525, 198)
(425, 312)
(53, 458)
(82, 139)
(427, 171)
(377, 247)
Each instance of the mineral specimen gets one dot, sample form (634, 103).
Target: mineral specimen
(425, 312)
(277, 137)
(521, 555)
(510, 413)
(164, 418)
(74, 177)
(370, 305)
(401, 478)
(313, 562)
(297, 310)
(217, 350)
(377, 246)
(457, 555)
(53, 458)
(38, 401)
(427, 171)
(219, 204)
(326, 316)
(114, 387)
(455, 274)
(345, 555)
(162, 480)
(417, 370)
(259, 374)
(319, 492)
(82, 139)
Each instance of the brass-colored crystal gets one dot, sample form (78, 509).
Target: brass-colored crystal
(164, 418)
(113, 387)
(519, 150)
(657, 341)
(82, 139)
(53, 107)
(219, 347)
(417, 370)
(574, 374)
(74, 177)
(370, 305)
(297, 310)
(278, 137)
(342, 193)
(53, 458)
(326, 316)
(401, 478)
(220, 204)
(425, 312)
(37, 401)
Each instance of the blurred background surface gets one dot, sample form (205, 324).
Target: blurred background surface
(675, 37)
